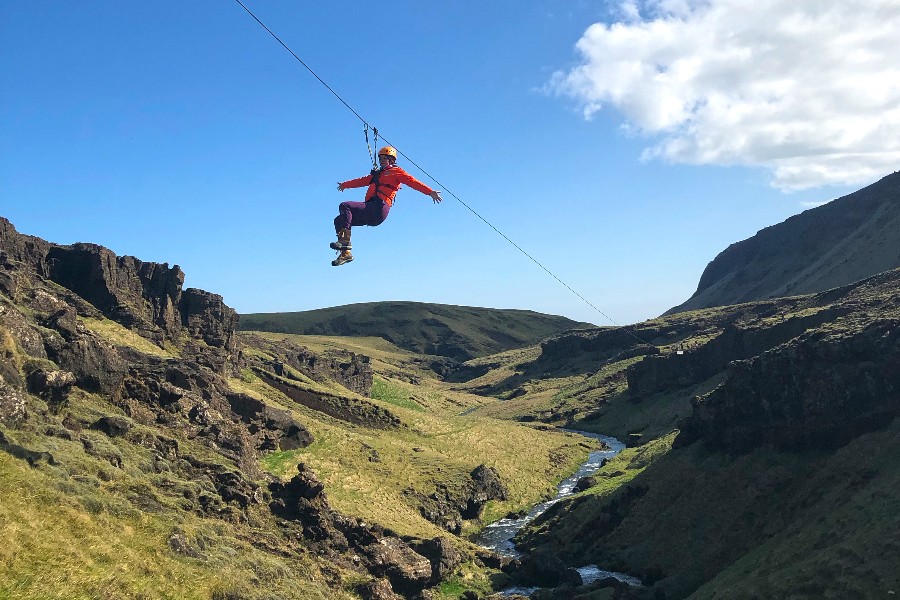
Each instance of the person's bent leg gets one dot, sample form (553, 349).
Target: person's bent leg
(347, 214)
(376, 213)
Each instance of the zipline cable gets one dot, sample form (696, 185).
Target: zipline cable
(458, 199)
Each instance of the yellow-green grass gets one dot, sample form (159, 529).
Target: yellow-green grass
(600, 403)
(391, 393)
(433, 447)
(386, 357)
(120, 335)
(628, 464)
(502, 366)
(71, 535)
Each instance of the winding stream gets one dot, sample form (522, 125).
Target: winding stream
(498, 535)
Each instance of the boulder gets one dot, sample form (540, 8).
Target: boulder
(442, 554)
(113, 426)
(53, 386)
(585, 483)
(545, 569)
(377, 589)
(486, 485)
(13, 404)
(408, 571)
(205, 316)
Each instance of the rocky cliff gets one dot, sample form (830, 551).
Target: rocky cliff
(790, 453)
(119, 382)
(844, 241)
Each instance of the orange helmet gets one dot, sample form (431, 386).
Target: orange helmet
(389, 151)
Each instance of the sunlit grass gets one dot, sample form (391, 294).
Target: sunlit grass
(118, 334)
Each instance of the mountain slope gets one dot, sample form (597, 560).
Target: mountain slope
(458, 332)
(148, 450)
(843, 241)
(782, 480)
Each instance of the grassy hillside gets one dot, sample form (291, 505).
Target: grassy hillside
(782, 478)
(458, 332)
(109, 517)
(149, 451)
(438, 443)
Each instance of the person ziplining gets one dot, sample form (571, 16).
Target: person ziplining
(375, 212)
(383, 182)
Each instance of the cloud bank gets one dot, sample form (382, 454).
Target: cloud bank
(808, 89)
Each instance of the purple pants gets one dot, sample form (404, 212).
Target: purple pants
(360, 213)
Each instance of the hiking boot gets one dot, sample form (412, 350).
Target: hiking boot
(343, 241)
(343, 258)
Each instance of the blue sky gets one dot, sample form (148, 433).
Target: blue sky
(603, 138)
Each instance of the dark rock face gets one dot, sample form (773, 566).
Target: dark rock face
(51, 385)
(735, 342)
(205, 316)
(408, 571)
(353, 371)
(443, 555)
(448, 507)
(279, 429)
(302, 502)
(143, 296)
(816, 393)
(125, 289)
(377, 589)
(96, 365)
(347, 409)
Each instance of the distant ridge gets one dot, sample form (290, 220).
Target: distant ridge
(458, 332)
(842, 242)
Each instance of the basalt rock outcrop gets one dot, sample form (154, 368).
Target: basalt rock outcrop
(448, 506)
(143, 296)
(747, 338)
(111, 358)
(816, 393)
(345, 408)
(827, 377)
(352, 371)
(303, 504)
(791, 454)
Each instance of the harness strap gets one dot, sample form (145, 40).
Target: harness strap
(376, 176)
(376, 179)
(368, 147)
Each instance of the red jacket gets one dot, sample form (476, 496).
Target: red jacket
(390, 180)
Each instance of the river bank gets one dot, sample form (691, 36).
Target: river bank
(498, 536)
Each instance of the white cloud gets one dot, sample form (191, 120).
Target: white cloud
(809, 89)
